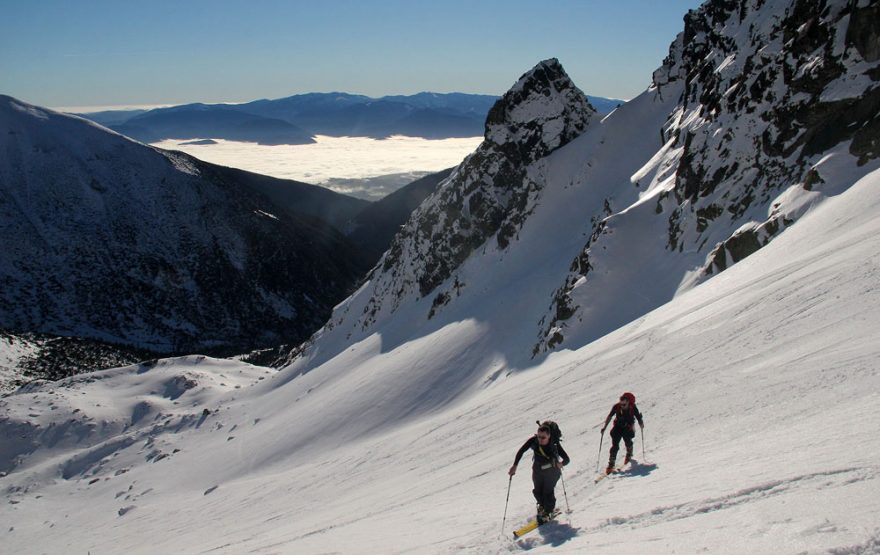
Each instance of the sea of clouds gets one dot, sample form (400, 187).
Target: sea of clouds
(358, 166)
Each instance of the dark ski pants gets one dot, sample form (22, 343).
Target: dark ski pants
(616, 436)
(545, 484)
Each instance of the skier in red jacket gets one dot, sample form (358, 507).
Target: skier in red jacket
(625, 413)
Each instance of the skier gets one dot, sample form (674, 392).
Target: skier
(549, 459)
(624, 413)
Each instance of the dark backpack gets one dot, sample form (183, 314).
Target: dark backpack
(555, 432)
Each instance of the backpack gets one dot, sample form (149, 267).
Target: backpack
(555, 432)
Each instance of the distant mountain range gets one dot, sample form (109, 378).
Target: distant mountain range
(297, 119)
(211, 121)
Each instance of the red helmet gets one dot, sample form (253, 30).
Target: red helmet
(629, 397)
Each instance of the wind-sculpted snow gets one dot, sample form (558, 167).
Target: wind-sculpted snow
(105, 413)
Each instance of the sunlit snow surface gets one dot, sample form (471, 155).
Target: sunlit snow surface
(759, 389)
(359, 166)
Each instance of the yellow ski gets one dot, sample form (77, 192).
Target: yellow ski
(525, 529)
(532, 524)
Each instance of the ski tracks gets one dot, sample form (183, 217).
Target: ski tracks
(817, 481)
(870, 546)
(668, 513)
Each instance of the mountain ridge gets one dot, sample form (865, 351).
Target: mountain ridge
(742, 97)
(119, 242)
(426, 114)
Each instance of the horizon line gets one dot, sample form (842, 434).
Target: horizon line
(83, 109)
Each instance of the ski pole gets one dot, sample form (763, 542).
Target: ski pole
(567, 507)
(599, 456)
(642, 428)
(510, 481)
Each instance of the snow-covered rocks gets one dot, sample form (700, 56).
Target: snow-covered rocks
(543, 111)
(25, 357)
(760, 111)
(778, 109)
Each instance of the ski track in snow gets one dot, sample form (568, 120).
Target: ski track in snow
(749, 495)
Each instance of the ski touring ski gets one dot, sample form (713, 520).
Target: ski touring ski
(533, 524)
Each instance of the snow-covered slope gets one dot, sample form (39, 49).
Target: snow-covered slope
(761, 111)
(109, 239)
(759, 389)
(393, 429)
(435, 272)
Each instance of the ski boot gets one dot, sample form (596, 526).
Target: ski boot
(610, 468)
(542, 516)
(628, 458)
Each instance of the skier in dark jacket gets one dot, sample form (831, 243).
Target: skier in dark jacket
(549, 459)
(625, 413)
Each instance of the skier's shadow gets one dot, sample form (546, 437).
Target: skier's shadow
(557, 533)
(640, 469)
(552, 533)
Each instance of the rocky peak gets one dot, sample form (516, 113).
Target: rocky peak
(482, 205)
(541, 112)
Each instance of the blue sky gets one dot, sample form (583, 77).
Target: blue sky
(100, 53)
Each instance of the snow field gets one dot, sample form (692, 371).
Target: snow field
(759, 390)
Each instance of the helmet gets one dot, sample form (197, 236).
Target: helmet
(629, 397)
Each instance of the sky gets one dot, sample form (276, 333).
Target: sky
(59, 53)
